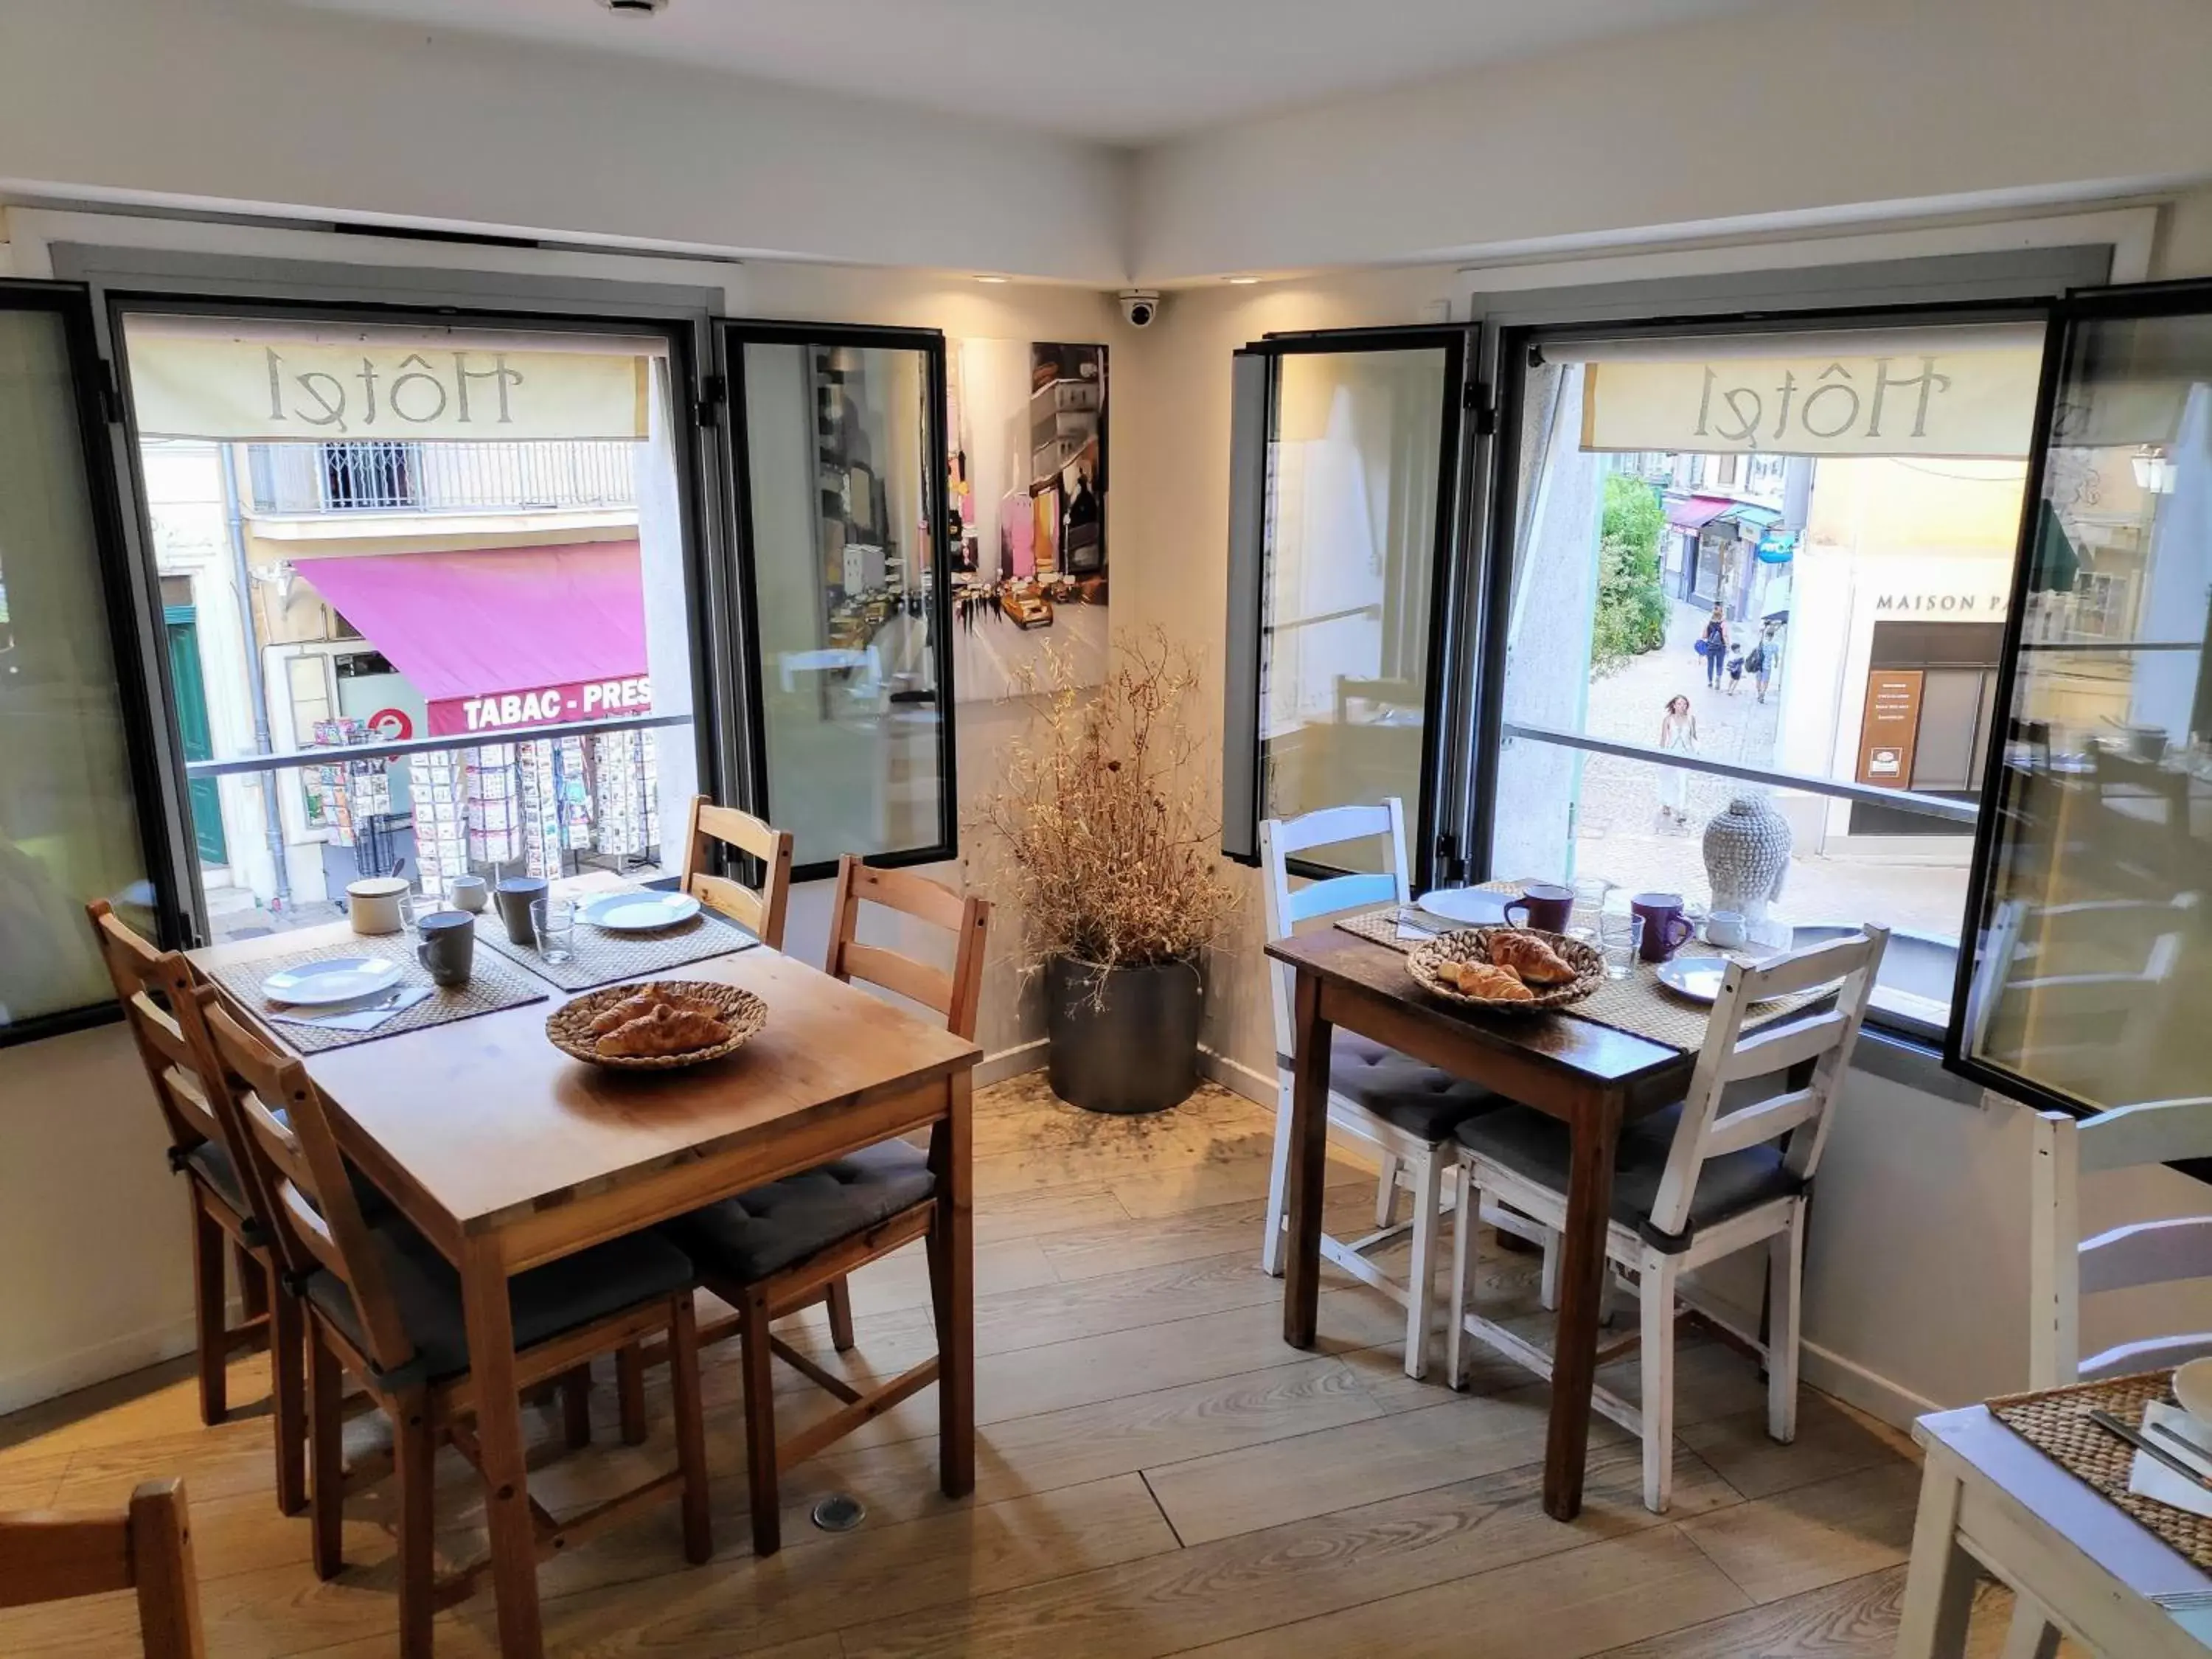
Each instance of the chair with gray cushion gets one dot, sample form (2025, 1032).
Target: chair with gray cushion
(1727, 1168)
(1404, 1110)
(385, 1303)
(787, 1245)
(155, 988)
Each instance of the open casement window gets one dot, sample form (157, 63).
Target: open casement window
(844, 565)
(78, 783)
(2092, 895)
(1347, 464)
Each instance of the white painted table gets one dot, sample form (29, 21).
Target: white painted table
(1990, 1500)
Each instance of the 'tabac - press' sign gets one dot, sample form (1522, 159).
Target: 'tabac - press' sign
(552, 705)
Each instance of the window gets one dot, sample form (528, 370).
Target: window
(844, 551)
(2095, 897)
(1822, 658)
(438, 652)
(70, 823)
(1344, 514)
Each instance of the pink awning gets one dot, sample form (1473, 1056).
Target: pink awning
(1697, 512)
(502, 624)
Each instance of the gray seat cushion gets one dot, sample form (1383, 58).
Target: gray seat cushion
(546, 1301)
(1534, 1145)
(1426, 1103)
(744, 1240)
(212, 1164)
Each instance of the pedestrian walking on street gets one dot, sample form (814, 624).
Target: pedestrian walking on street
(1712, 646)
(1735, 670)
(1678, 734)
(1765, 656)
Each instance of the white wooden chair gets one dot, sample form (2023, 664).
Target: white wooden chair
(2064, 1267)
(1692, 1184)
(1403, 1109)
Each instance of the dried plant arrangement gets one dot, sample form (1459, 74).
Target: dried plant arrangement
(1105, 831)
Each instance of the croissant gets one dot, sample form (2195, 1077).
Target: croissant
(647, 998)
(1530, 958)
(629, 1008)
(666, 1030)
(1478, 979)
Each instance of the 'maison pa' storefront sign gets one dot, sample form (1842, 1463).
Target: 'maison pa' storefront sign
(1979, 403)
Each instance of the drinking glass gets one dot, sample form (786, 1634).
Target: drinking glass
(554, 921)
(1590, 893)
(1620, 937)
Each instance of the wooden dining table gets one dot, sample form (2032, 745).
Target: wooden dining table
(1592, 1077)
(508, 1154)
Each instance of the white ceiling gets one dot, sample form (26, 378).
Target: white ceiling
(1123, 71)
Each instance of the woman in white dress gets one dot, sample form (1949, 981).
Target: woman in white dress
(1678, 734)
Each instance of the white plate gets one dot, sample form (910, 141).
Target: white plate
(340, 979)
(1470, 907)
(2192, 1387)
(1698, 978)
(640, 913)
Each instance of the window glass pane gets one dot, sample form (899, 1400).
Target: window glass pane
(373, 534)
(840, 440)
(1811, 585)
(69, 824)
(2093, 974)
(1350, 555)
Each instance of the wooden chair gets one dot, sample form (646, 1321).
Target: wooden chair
(1694, 1182)
(148, 1548)
(713, 827)
(1405, 1109)
(2063, 1266)
(155, 987)
(785, 1246)
(384, 1305)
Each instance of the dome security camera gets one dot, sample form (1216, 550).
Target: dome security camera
(1140, 305)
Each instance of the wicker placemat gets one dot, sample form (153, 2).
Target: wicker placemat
(2056, 1422)
(1638, 1004)
(493, 985)
(608, 958)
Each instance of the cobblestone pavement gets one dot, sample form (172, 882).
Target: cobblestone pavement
(1620, 834)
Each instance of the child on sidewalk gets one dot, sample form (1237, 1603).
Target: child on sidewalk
(1735, 670)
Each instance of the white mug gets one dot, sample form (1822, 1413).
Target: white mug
(470, 893)
(1724, 929)
(377, 904)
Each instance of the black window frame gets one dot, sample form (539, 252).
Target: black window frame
(1462, 418)
(132, 619)
(2116, 302)
(731, 335)
(176, 880)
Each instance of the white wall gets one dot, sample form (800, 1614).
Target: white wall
(246, 103)
(1783, 115)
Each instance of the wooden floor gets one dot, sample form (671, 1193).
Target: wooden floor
(1156, 1472)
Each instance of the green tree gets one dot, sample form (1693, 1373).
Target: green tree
(1631, 605)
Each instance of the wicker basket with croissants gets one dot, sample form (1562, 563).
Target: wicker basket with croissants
(1508, 968)
(667, 1024)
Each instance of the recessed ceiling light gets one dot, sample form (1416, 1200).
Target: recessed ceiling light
(1240, 282)
(981, 278)
(635, 8)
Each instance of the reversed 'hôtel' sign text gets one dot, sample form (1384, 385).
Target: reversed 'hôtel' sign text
(1979, 403)
(195, 386)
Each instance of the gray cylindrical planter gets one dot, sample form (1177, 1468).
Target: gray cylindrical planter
(1134, 1049)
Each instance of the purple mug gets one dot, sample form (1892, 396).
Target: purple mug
(1544, 905)
(1665, 929)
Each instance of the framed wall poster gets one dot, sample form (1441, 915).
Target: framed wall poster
(1026, 480)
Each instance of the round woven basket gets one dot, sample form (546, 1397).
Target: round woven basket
(570, 1026)
(1473, 944)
